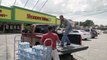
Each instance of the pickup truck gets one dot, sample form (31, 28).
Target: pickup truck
(64, 52)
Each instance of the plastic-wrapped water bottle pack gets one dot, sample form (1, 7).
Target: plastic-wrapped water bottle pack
(38, 52)
(28, 53)
(23, 45)
(20, 52)
(21, 57)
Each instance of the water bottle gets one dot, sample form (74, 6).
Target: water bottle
(65, 44)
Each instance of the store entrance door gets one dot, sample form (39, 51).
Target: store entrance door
(1, 28)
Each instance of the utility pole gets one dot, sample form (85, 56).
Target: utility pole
(14, 2)
(0, 2)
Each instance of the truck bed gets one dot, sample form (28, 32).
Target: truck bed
(71, 49)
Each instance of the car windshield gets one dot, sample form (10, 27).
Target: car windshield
(41, 29)
(75, 31)
(93, 30)
(82, 30)
(87, 30)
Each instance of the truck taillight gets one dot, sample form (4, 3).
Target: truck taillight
(80, 40)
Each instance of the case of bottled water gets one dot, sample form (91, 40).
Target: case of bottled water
(28, 53)
(38, 52)
(21, 57)
(23, 45)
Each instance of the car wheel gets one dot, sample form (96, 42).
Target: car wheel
(85, 39)
(93, 37)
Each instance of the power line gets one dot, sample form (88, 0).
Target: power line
(43, 5)
(14, 2)
(35, 5)
(105, 10)
(26, 3)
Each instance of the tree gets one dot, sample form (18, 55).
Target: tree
(79, 23)
(88, 23)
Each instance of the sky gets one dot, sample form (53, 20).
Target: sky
(77, 10)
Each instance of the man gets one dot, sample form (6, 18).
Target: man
(54, 37)
(67, 28)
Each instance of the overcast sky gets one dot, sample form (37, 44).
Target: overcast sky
(77, 10)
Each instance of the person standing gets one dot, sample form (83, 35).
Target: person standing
(67, 28)
(54, 37)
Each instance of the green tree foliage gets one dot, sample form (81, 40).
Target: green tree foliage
(88, 23)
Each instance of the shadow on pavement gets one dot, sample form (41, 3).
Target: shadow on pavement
(95, 38)
(87, 40)
(67, 57)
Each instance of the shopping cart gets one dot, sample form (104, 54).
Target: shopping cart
(16, 42)
(50, 46)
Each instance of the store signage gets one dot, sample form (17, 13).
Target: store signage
(2, 15)
(5, 13)
(32, 16)
(29, 16)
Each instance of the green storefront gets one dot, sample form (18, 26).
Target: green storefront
(13, 19)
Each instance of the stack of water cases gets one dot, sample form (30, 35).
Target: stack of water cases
(38, 52)
(21, 50)
(41, 52)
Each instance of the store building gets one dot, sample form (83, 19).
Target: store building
(13, 20)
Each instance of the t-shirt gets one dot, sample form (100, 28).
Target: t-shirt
(51, 35)
(67, 24)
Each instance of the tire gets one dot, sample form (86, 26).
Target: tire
(93, 37)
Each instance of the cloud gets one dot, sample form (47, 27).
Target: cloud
(95, 9)
(5, 3)
(61, 6)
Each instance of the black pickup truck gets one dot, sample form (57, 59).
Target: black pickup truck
(65, 52)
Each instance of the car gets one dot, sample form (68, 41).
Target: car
(105, 31)
(85, 35)
(98, 31)
(93, 32)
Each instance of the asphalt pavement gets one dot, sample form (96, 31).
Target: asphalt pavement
(97, 48)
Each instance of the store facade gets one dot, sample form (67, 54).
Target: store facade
(13, 20)
(7, 24)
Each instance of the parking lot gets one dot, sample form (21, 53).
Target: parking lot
(97, 48)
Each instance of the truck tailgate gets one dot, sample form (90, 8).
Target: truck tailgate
(71, 49)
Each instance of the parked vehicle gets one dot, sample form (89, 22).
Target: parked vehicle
(99, 32)
(85, 35)
(105, 31)
(93, 32)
